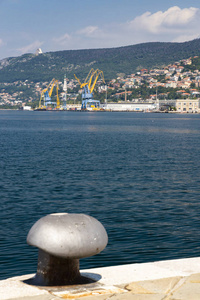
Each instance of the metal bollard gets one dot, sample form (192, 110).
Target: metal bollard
(62, 240)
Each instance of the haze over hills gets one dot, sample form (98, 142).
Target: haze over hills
(127, 60)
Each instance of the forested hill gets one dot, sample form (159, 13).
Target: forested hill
(111, 61)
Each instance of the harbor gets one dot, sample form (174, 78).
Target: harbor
(100, 139)
(88, 103)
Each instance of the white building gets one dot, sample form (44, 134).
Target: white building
(38, 51)
(129, 106)
(27, 107)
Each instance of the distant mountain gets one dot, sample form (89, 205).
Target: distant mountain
(44, 67)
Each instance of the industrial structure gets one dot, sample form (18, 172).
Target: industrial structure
(130, 106)
(46, 94)
(88, 87)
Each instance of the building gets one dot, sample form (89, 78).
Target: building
(25, 107)
(129, 106)
(187, 105)
(38, 51)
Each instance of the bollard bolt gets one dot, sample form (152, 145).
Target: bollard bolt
(62, 240)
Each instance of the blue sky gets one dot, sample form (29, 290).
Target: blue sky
(54, 25)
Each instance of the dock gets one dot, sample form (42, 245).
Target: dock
(177, 279)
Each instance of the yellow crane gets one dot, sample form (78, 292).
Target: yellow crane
(88, 85)
(47, 93)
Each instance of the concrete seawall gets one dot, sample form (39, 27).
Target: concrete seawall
(163, 280)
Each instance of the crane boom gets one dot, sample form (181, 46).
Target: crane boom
(57, 97)
(90, 75)
(52, 87)
(77, 79)
(96, 74)
(91, 79)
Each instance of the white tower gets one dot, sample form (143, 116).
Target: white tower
(65, 90)
(38, 51)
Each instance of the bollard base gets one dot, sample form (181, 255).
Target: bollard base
(56, 271)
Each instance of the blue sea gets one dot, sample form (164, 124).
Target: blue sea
(137, 173)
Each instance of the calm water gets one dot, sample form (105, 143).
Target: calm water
(137, 173)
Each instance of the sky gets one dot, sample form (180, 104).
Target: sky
(54, 25)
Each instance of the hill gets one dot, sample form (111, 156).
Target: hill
(112, 61)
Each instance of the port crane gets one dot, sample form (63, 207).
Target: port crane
(46, 94)
(88, 86)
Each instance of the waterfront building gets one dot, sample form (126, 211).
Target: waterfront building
(187, 105)
(130, 106)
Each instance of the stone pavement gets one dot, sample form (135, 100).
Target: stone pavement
(165, 280)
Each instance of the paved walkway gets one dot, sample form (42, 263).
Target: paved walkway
(165, 280)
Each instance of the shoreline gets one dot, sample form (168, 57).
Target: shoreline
(113, 111)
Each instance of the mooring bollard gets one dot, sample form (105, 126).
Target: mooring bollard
(62, 240)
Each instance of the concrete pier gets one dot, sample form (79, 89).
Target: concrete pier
(163, 280)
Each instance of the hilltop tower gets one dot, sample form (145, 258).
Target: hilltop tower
(38, 51)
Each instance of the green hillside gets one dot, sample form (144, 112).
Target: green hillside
(112, 61)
